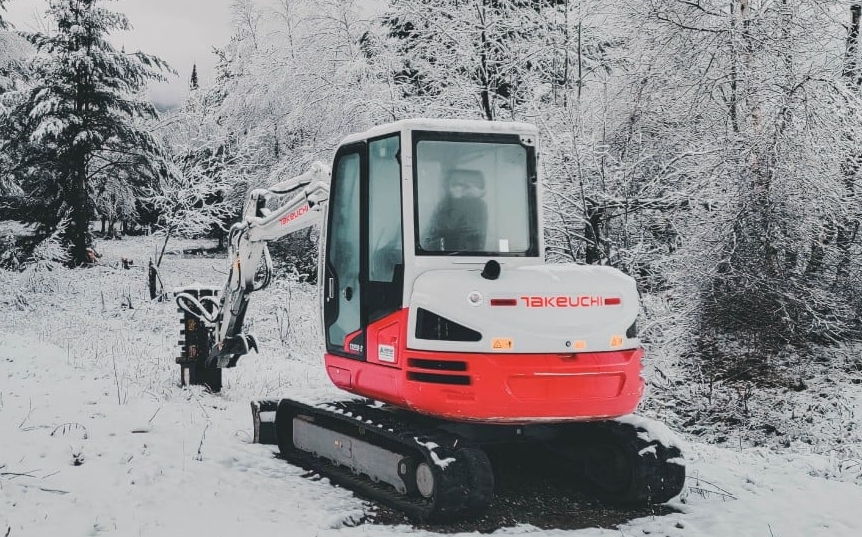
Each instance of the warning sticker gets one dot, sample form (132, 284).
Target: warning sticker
(386, 353)
(501, 344)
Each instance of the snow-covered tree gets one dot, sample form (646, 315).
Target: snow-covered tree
(13, 54)
(12, 75)
(75, 128)
(747, 105)
(292, 81)
(469, 58)
(191, 200)
(203, 191)
(193, 80)
(552, 62)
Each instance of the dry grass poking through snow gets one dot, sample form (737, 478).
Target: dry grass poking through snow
(105, 320)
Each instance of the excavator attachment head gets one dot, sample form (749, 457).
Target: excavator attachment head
(194, 303)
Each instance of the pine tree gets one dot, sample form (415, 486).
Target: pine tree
(193, 81)
(77, 129)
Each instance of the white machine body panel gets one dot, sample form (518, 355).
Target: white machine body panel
(530, 309)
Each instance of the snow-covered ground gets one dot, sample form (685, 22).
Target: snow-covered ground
(97, 438)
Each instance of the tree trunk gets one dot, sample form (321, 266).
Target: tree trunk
(593, 232)
(152, 278)
(484, 74)
(164, 247)
(79, 224)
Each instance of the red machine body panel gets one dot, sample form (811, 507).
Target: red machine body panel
(490, 387)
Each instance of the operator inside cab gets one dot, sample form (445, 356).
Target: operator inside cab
(460, 220)
(474, 197)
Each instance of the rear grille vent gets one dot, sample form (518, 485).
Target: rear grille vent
(434, 378)
(438, 365)
(432, 326)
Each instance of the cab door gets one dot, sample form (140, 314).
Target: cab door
(342, 286)
(384, 287)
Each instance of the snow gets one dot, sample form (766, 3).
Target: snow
(431, 446)
(654, 430)
(96, 438)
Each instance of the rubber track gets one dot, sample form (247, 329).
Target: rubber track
(464, 487)
(652, 471)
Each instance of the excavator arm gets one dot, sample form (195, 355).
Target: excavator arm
(307, 195)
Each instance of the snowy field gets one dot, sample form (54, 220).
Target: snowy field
(96, 437)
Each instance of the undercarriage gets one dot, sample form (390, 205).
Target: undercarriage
(435, 470)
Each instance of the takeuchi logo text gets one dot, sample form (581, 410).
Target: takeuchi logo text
(563, 301)
(293, 215)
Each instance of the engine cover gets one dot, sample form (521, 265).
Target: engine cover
(527, 309)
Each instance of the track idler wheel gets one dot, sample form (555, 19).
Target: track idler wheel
(425, 481)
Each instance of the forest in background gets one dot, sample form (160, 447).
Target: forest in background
(709, 148)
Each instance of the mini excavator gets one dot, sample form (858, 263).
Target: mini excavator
(440, 313)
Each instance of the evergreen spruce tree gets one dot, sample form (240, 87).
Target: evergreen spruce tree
(193, 81)
(78, 125)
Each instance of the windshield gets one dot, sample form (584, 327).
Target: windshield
(472, 198)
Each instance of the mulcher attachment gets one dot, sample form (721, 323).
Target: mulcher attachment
(195, 343)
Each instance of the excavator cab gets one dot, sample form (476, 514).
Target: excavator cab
(418, 197)
(436, 296)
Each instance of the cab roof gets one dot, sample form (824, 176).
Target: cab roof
(445, 125)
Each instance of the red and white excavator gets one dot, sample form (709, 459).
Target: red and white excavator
(440, 313)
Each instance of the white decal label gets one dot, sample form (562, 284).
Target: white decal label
(504, 245)
(386, 353)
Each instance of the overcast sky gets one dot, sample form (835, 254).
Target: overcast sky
(181, 32)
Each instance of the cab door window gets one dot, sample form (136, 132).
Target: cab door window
(342, 289)
(385, 235)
